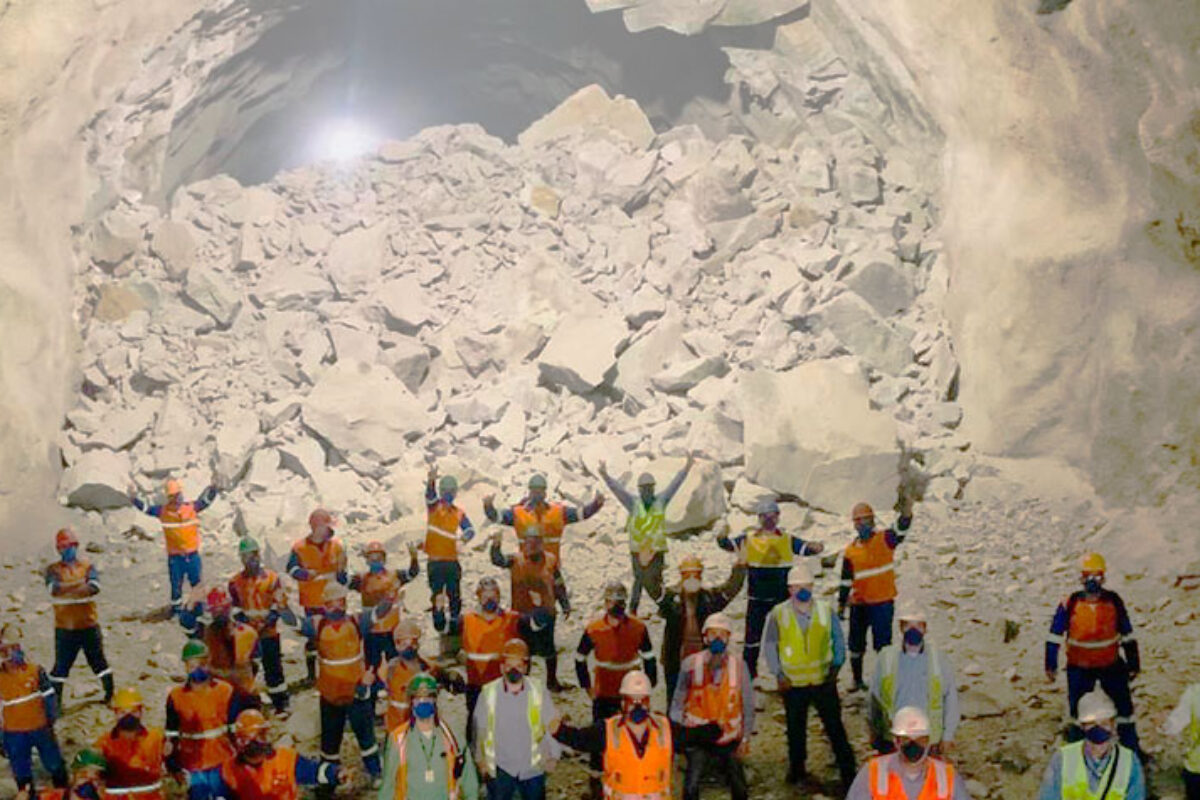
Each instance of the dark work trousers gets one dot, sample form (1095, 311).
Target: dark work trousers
(1114, 680)
(541, 643)
(727, 765)
(380, 648)
(361, 715)
(446, 576)
(757, 610)
(649, 577)
(472, 699)
(823, 698)
(506, 787)
(877, 618)
(67, 645)
(271, 656)
(313, 615)
(20, 746)
(602, 709)
(1191, 784)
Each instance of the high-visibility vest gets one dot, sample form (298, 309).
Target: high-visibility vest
(482, 640)
(451, 752)
(231, 653)
(375, 586)
(340, 650)
(805, 655)
(273, 779)
(874, 570)
(398, 676)
(617, 652)
(443, 521)
(72, 613)
(22, 700)
(887, 785)
(203, 733)
(534, 700)
(890, 666)
(647, 527)
(1093, 636)
(768, 549)
(1192, 731)
(1075, 774)
(628, 776)
(386, 623)
(530, 577)
(715, 703)
(135, 764)
(323, 564)
(551, 519)
(181, 527)
(257, 596)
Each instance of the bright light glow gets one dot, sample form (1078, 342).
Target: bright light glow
(344, 139)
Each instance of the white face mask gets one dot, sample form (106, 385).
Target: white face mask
(691, 585)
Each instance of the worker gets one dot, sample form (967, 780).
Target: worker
(634, 744)
(401, 669)
(424, 759)
(314, 562)
(181, 529)
(381, 589)
(231, 644)
(262, 771)
(911, 772)
(805, 649)
(511, 722)
(1185, 719)
(685, 607)
(199, 714)
(1095, 626)
(868, 586)
(536, 585)
(620, 645)
(646, 527)
(914, 673)
(344, 682)
(28, 709)
(261, 602)
(484, 633)
(714, 705)
(134, 753)
(769, 555)
(446, 527)
(86, 782)
(1098, 766)
(74, 583)
(535, 511)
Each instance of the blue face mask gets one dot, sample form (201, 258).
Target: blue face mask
(1092, 585)
(1097, 734)
(17, 657)
(198, 675)
(423, 709)
(408, 653)
(69, 554)
(717, 646)
(639, 714)
(491, 605)
(804, 595)
(913, 637)
(865, 529)
(376, 567)
(448, 498)
(336, 613)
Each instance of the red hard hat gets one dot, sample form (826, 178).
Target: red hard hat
(65, 538)
(862, 511)
(218, 598)
(374, 547)
(320, 517)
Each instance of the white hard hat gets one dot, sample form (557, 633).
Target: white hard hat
(333, 592)
(799, 574)
(910, 721)
(635, 684)
(718, 622)
(1096, 706)
(911, 614)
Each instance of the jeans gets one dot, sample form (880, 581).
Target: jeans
(67, 645)
(361, 715)
(1114, 680)
(447, 576)
(506, 787)
(824, 698)
(727, 764)
(204, 784)
(179, 567)
(649, 576)
(20, 746)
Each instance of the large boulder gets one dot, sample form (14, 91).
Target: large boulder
(96, 481)
(581, 353)
(864, 333)
(403, 305)
(811, 432)
(591, 110)
(214, 293)
(175, 245)
(355, 259)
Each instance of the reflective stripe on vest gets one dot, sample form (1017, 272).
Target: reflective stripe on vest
(26, 698)
(400, 742)
(341, 662)
(533, 694)
(1075, 774)
(150, 787)
(211, 733)
(629, 776)
(937, 781)
(1192, 731)
(440, 532)
(647, 526)
(887, 689)
(804, 655)
(481, 656)
(870, 573)
(626, 666)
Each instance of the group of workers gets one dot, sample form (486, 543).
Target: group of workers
(218, 744)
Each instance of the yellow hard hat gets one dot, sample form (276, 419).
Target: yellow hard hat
(127, 698)
(1094, 562)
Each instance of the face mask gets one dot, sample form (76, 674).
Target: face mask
(912, 751)
(423, 709)
(535, 556)
(647, 493)
(804, 595)
(129, 722)
(514, 675)
(448, 498)
(1092, 585)
(17, 657)
(865, 529)
(257, 749)
(913, 637)
(198, 675)
(617, 609)
(491, 605)
(86, 790)
(691, 585)
(252, 564)
(1097, 734)
(336, 614)
(639, 714)
(408, 653)
(716, 646)
(68, 554)
(376, 567)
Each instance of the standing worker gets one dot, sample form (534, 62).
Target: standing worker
(714, 704)
(536, 585)
(769, 554)
(133, 752)
(424, 760)
(181, 528)
(407, 664)
(381, 592)
(1095, 626)
(911, 772)
(869, 582)
(261, 602)
(914, 673)
(647, 527)
(231, 644)
(1098, 766)
(28, 710)
(262, 771)
(74, 583)
(315, 561)
(199, 714)
(804, 648)
(534, 511)
(1185, 719)
(447, 526)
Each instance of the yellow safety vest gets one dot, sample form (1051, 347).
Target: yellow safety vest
(1192, 731)
(647, 527)
(890, 664)
(769, 549)
(1075, 774)
(534, 694)
(805, 655)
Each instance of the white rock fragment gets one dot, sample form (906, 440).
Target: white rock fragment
(96, 481)
(214, 293)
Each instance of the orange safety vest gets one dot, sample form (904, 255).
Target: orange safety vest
(203, 724)
(482, 640)
(375, 586)
(324, 562)
(181, 527)
(628, 776)
(400, 742)
(398, 676)
(886, 784)
(550, 518)
(388, 622)
(274, 779)
(715, 703)
(340, 649)
(617, 652)
(231, 653)
(530, 578)
(874, 570)
(1093, 637)
(22, 699)
(135, 764)
(257, 596)
(442, 531)
(72, 613)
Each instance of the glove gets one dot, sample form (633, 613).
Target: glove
(302, 575)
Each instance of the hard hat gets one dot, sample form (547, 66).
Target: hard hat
(515, 648)
(862, 511)
(448, 483)
(247, 545)
(910, 721)
(65, 538)
(538, 482)
(319, 518)
(635, 684)
(1094, 562)
(646, 479)
(406, 628)
(768, 505)
(615, 589)
(218, 597)
(911, 614)
(250, 725)
(718, 622)
(87, 758)
(691, 564)
(799, 574)
(1096, 706)
(487, 582)
(194, 648)
(174, 487)
(374, 547)
(422, 681)
(127, 698)
(334, 591)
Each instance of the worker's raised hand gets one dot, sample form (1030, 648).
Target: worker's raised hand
(131, 491)
(814, 548)
(432, 477)
(602, 467)
(691, 459)
(368, 677)
(740, 552)
(497, 538)
(412, 548)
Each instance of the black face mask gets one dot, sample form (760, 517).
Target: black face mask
(514, 675)
(1092, 585)
(257, 749)
(535, 556)
(912, 751)
(618, 609)
(129, 723)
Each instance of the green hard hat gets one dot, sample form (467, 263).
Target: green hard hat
(448, 483)
(247, 545)
(194, 648)
(88, 757)
(422, 681)
(538, 482)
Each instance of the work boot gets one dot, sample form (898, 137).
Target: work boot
(856, 666)
(552, 675)
(60, 686)
(106, 682)
(310, 663)
(796, 775)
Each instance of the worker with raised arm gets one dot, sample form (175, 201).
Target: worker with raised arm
(316, 561)
(260, 601)
(1098, 766)
(135, 754)
(231, 644)
(181, 529)
(74, 583)
(382, 600)
(447, 527)
(534, 511)
(911, 771)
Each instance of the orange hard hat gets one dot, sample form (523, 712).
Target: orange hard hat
(1094, 562)
(320, 517)
(127, 698)
(250, 725)
(218, 597)
(174, 487)
(65, 538)
(373, 548)
(515, 648)
(862, 511)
